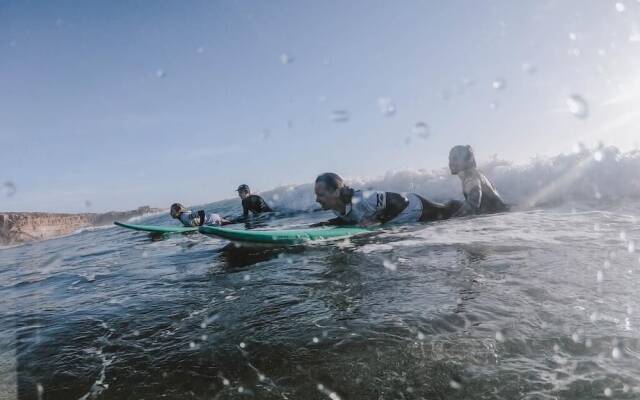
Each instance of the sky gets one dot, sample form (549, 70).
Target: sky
(113, 105)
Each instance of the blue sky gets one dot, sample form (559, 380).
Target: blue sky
(124, 103)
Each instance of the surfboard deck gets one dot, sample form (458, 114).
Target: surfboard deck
(159, 229)
(291, 236)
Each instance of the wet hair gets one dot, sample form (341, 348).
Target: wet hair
(335, 182)
(466, 154)
(176, 209)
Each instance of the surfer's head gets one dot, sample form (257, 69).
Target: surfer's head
(461, 158)
(177, 209)
(243, 191)
(331, 192)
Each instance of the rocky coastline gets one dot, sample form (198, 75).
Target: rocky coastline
(22, 227)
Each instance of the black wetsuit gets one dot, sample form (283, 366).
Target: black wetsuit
(255, 204)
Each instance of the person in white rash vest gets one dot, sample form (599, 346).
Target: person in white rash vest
(191, 218)
(480, 196)
(364, 208)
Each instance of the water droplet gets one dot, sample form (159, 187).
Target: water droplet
(620, 7)
(386, 106)
(420, 335)
(616, 353)
(9, 189)
(225, 382)
(87, 203)
(494, 105)
(389, 265)
(599, 276)
(576, 338)
(499, 84)
(200, 50)
(286, 58)
(631, 247)
(246, 277)
(315, 340)
(573, 36)
(192, 345)
(596, 227)
(623, 235)
(339, 116)
(240, 389)
(625, 388)
(261, 377)
(421, 130)
(136, 333)
(556, 348)
(40, 389)
(588, 343)
(499, 337)
(320, 386)
(528, 68)
(593, 317)
(578, 106)
(160, 73)
(242, 345)
(455, 385)
(574, 51)
(407, 140)
(608, 392)
(204, 338)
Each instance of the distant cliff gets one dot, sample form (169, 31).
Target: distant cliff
(22, 227)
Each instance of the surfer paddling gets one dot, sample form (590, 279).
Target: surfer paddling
(364, 208)
(251, 202)
(196, 218)
(480, 196)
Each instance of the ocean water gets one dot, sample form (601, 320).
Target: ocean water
(538, 303)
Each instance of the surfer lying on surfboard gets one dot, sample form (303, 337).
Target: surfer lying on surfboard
(364, 208)
(196, 218)
(251, 202)
(480, 196)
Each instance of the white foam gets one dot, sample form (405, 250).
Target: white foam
(579, 177)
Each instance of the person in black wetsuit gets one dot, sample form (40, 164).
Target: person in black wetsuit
(364, 208)
(251, 202)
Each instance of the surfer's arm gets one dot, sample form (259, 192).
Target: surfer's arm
(331, 222)
(473, 199)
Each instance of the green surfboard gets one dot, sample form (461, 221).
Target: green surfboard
(293, 236)
(159, 229)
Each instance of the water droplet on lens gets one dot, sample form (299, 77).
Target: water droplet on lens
(389, 265)
(499, 84)
(246, 277)
(499, 337)
(620, 7)
(494, 105)
(200, 50)
(455, 385)
(9, 189)
(616, 353)
(339, 116)
(226, 382)
(242, 345)
(286, 58)
(575, 338)
(608, 392)
(160, 73)
(192, 345)
(599, 276)
(315, 340)
(421, 336)
(556, 348)
(631, 247)
(578, 106)
(421, 130)
(87, 203)
(528, 68)
(386, 106)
